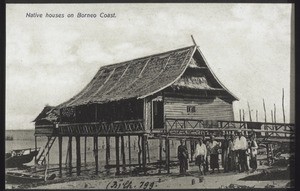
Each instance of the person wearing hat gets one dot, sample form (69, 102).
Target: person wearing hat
(182, 155)
(241, 147)
(213, 147)
(200, 156)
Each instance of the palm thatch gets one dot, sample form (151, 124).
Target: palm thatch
(140, 78)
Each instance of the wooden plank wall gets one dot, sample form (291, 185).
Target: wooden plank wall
(206, 108)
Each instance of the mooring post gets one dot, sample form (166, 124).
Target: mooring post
(70, 155)
(160, 155)
(144, 159)
(117, 155)
(123, 154)
(168, 154)
(85, 139)
(96, 153)
(60, 155)
(78, 156)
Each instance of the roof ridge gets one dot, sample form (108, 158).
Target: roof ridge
(144, 57)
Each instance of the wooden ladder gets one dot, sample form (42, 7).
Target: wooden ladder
(45, 152)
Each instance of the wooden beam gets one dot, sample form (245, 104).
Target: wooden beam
(78, 156)
(60, 155)
(117, 155)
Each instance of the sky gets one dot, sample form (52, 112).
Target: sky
(49, 60)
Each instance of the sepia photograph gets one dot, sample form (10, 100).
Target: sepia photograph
(150, 96)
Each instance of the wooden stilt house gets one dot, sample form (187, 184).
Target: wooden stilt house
(139, 96)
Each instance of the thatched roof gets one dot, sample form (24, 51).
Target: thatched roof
(49, 113)
(138, 78)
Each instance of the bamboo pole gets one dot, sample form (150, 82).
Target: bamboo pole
(256, 116)
(272, 116)
(283, 113)
(274, 113)
(160, 154)
(85, 139)
(250, 118)
(107, 156)
(96, 153)
(243, 115)
(35, 144)
(240, 114)
(265, 110)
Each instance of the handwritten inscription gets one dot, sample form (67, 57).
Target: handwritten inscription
(120, 184)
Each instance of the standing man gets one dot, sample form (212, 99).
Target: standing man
(213, 147)
(225, 153)
(253, 152)
(242, 146)
(200, 156)
(182, 155)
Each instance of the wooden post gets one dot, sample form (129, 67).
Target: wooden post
(160, 155)
(148, 151)
(35, 143)
(140, 150)
(268, 154)
(240, 114)
(78, 156)
(168, 154)
(70, 155)
(117, 155)
(243, 115)
(107, 157)
(265, 110)
(144, 153)
(85, 139)
(123, 154)
(272, 116)
(96, 154)
(60, 155)
(129, 149)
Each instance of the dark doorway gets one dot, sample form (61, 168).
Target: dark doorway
(158, 115)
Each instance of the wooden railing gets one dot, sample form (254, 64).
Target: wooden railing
(219, 128)
(102, 128)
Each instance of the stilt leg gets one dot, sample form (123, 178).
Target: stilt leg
(129, 149)
(168, 155)
(123, 154)
(96, 153)
(107, 157)
(117, 156)
(78, 156)
(160, 155)
(144, 153)
(60, 155)
(70, 155)
(85, 139)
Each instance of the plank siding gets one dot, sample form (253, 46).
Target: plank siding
(206, 108)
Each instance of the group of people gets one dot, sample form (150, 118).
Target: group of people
(235, 151)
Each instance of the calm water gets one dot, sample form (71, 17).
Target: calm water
(25, 139)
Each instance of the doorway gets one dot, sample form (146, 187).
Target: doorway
(157, 114)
